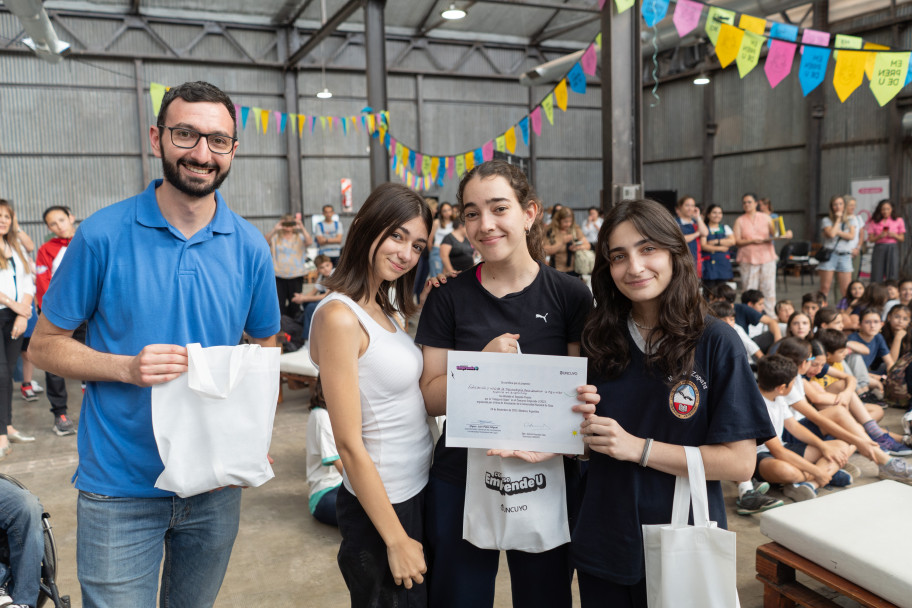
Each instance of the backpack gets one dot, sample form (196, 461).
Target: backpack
(896, 390)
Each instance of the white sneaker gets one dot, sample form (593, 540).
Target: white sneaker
(37, 387)
(5, 599)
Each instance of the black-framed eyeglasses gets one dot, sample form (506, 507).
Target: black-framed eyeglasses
(182, 137)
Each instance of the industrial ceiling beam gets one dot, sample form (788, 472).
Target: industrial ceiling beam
(548, 5)
(562, 29)
(331, 25)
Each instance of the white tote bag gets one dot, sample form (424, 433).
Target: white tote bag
(213, 425)
(514, 504)
(690, 566)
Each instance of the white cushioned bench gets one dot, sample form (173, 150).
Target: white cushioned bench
(297, 370)
(854, 534)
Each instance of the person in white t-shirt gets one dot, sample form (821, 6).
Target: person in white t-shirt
(324, 467)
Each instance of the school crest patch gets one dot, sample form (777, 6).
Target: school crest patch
(684, 399)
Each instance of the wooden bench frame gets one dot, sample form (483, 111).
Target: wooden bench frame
(776, 568)
(295, 382)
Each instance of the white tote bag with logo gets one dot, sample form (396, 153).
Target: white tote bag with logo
(514, 504)
(213, 425)
(690, 566)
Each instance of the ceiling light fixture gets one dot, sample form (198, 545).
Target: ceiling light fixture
(453, 13)
(325, 93)
(702, 79)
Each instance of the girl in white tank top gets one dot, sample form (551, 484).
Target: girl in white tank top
(369, 368)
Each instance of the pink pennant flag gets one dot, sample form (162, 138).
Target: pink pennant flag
(779, 61)
(450, 166)
(237, 115)
(536, 120)
(418, 158)
(487, 151)
(278, 120)
(601, 4)
(589, 60)
(686, 16)
(815, 37)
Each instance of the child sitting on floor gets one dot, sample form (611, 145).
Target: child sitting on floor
(878, 359)
(805, 462)
(726, 312)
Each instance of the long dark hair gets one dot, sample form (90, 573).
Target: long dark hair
(670, 348)
(523, 190)
(387, 208)
(878, 210)
(889, 334)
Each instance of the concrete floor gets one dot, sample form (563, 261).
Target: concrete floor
(282, 556)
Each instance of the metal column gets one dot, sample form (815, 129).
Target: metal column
(709, 144)
(816, 105)
(622, 96)
(375, 52)
(142, 122)
(293, 144)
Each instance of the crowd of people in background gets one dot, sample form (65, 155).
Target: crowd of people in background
(772, 391)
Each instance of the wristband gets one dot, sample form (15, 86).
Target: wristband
(644, 458)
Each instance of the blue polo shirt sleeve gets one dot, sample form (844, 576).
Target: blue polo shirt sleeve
(745, 316)
(73, 294)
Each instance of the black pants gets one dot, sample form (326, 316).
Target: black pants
(363, 559)
(56, 385)
(601, 593)
(9, 353)
(286, 289)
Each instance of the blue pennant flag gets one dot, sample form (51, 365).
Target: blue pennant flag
(524, 127)
(411, 161)
(909, 73)
(654, 11)
(386, 139)
(576, 78)
(245, 112)
(479, 156)
(813, 68)
(283, 123)
(782, 31)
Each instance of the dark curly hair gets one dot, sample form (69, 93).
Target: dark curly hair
(523, 190)
(682, 311)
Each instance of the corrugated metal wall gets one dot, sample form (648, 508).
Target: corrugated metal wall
(69, 133)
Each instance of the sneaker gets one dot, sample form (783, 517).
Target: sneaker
(19, 437)
(37, 387)
(28, 394)
(762, 487)
(756, 502)
(893, 447)
(896, 470)
(852, 470)
(799, 491)
(63, 426)
(5, 599)
(841, 479)
(907, 440)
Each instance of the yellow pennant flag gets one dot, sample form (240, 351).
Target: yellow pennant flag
(749, 55)
(382, 133)
(510, 139)
(370, 123)
(301, 120)
(435, 165)
(547, 105)
(323, 122)
(623, 5)
(256, 116)
(872, 57)
(890, 71)
(265, 119)
(715, 18)
(560, 94)
(329, 121)
(157, 93)
(728, 43)
(755, 25)
(849, 72)
(469, 160)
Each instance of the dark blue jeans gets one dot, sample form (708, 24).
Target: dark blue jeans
(460, 574)
(20, 517)
(325, 511)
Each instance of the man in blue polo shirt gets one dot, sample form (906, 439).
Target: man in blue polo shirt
(150, 274)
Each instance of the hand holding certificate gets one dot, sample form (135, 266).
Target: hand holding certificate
(514, 402)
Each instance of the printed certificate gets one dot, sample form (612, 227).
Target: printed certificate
(514, 402)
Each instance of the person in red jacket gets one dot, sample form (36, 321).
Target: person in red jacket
(60, 221)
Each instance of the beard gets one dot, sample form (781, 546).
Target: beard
(192, 186)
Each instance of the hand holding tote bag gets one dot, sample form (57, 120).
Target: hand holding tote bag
(690, 566)
(213, 425)
(514, 504)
